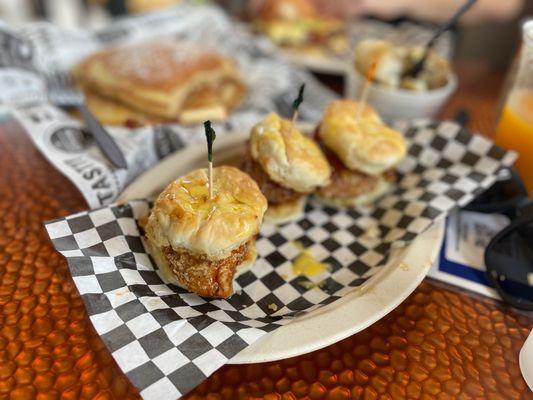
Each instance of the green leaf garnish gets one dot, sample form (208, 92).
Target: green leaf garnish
(298, 100)
(210, 136)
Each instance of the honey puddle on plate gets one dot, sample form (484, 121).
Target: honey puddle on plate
(306, 264)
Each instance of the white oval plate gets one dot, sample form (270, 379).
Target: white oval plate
(354, 312)
(324, 64)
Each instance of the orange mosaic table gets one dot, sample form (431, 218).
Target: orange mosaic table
(439, 344)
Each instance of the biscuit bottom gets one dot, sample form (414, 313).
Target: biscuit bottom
(285, 212)
(347, 185)
(200, 275)
(284, 204)
(276, 194)
(351, 188)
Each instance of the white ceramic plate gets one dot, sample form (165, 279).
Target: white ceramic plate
(316, 62)
(333, 322)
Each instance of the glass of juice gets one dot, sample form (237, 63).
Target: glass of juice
(514, 130)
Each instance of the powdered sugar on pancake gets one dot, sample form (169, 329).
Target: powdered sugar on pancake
(153, 63)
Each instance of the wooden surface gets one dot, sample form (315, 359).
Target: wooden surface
(439, 344)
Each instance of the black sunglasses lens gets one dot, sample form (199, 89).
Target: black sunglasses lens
(503, 197)
(509, 260)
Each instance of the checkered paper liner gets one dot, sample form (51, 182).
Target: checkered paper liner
(167, 340)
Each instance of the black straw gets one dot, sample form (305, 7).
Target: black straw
(419, 66)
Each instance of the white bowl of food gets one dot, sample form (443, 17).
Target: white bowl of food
(394, 96)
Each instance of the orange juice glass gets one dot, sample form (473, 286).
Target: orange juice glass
(515, 128)
(515, 132)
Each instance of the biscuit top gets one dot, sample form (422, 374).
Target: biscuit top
(184, 217)
(364, 144)
(288, 157)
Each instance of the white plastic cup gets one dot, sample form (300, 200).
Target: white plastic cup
(525, 360)
(399, 103)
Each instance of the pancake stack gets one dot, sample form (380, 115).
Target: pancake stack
(161, 81)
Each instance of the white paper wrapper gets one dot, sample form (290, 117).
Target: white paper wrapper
(34, 54)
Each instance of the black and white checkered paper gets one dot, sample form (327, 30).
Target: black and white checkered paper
(167, 340)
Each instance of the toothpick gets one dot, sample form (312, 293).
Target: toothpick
(210, 136)
(210, 177)
(296, 103)
(294, 117)
(364, 92)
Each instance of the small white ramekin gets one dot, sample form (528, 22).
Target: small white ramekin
(397, 103)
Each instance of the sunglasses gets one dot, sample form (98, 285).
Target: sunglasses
(509, 255)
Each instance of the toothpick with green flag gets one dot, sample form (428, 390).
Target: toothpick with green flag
(210, 136)
(296, 103)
